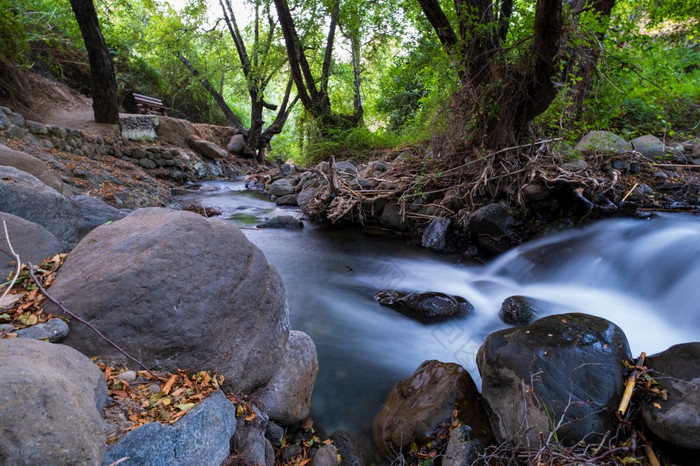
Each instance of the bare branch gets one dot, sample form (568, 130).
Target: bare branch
(81, 320)
(19, 263)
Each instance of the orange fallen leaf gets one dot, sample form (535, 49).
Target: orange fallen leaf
(108, 373)
(169, 384)
(305, 462)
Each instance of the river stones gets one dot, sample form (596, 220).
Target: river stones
(563, 370)
(177, 290)
(419, 403)
(676, 419)
(427, 307)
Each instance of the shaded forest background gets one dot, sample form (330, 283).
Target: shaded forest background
(354, 77)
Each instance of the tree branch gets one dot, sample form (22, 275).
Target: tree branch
(79, 319)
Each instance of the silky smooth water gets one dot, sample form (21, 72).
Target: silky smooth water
(643, 275)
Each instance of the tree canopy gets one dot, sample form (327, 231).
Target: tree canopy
(381, 74)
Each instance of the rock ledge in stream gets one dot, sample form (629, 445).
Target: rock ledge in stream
(427, 307)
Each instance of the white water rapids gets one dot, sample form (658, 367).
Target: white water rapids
(643, 275)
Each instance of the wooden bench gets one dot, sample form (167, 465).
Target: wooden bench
(139, 103)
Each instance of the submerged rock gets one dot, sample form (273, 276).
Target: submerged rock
(427, 307)
(283, 221)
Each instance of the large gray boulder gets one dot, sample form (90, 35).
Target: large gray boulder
(236, 144)
(287, 397)
(30, 164)
(420, 402)
(51, 398)
(207, 149)
(651, 147)
(563, 370)
(676, 419)
(157, 283)
(25, 196)
(603, 142)
(91, 213)
(204, 432)
(30, 240)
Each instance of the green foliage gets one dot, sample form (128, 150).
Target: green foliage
(358, 143)
(13, 39)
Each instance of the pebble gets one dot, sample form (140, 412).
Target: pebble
(128, 376)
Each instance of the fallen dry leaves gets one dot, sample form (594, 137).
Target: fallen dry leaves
(164, 399)
(22, 307)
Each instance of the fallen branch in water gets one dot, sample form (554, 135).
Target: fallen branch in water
(81, 320)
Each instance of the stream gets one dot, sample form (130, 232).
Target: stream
(643, 275)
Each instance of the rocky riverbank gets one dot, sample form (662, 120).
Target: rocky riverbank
(155, 282)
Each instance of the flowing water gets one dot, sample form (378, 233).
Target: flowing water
(643, 275)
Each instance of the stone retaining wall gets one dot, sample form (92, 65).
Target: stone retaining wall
(182, 163)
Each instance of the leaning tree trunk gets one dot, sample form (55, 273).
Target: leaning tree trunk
(105, 102)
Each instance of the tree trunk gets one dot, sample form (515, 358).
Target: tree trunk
(105, 102)
(231, 117)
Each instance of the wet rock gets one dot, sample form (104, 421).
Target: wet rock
(281, 187)
(287, 396)
(426, 307)
(393, 218)
(651, 147)
(25, 196)
(462, 448)
(91, 213)
(283, 221)
(518, 310)
(418, 403)
(603, 142)
(206, 148)
(204, 432)
(236, 144)
(327, 455)
(53, 330)
(677, 421)
(125, 279)
(437, 236)
(565, 366)
(350, 452)
(51, 397)
(490, 228)
(31, 241)
(288, 200)
(30, 164)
